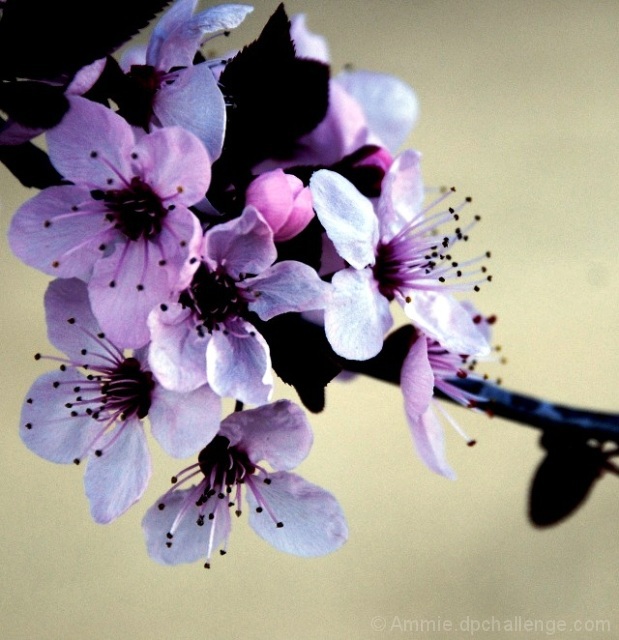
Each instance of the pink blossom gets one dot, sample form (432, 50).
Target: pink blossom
(429, 366)
(283, 202)
(93, 407)
(185, 94)
(123, 225)
(393, 253)
(234, 278)
(290, 513)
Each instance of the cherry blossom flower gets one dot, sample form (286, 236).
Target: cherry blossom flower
(124, 224)
(93, 407)
(393, 254)
(234, 278)
(429, 366)
(283, 201)
(293, 515)
(365, 108)
(182, 93)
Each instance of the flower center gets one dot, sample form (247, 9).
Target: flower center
(127, 389)
(214, 296)
(223, 466)
(136, 210)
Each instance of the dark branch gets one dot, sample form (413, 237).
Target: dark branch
(527, 410)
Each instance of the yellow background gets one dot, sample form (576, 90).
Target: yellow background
(519, 108)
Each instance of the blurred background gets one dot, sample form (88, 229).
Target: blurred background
(519, 109)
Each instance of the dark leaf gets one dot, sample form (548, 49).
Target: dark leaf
(45, 39)
(30, 165)
(564, 478)
(273, 97)
(33, 104)
(301, 356)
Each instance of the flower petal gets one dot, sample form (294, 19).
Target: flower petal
(71, 326)
(117, 479)
(178, 36)
(347, 216)
(59, 232)
(92, 145)
(195, 102)
(443, 318)
(242, 246)
(46, 425)
(278, 433)
(177, 353)
(313, 521)
(140, 275)
(417, 379)
(285, 287)
(357, 315)
(175, 164)
(390, 105)
(184, 423)
(191, 541)
(238, 363)
(402, 194)
(429, 439)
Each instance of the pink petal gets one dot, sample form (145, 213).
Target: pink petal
(429, 440)
(417, 379)
(417, 383)
(314, 523)
(184, 423)
(285, 287)
(278, 433)
(175, 164)
(242, 246)
(117, 479)
(59, 231)
(139, 276)
(92, 145)
(238, 364)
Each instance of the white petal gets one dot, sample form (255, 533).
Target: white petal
(347, 216)
(443, 318)
(402, 194)
(190, 541)
(177, 352)
(357, 316)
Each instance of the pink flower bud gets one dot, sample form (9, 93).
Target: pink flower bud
(283, 201)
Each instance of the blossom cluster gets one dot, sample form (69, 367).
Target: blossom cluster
(218, 220)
